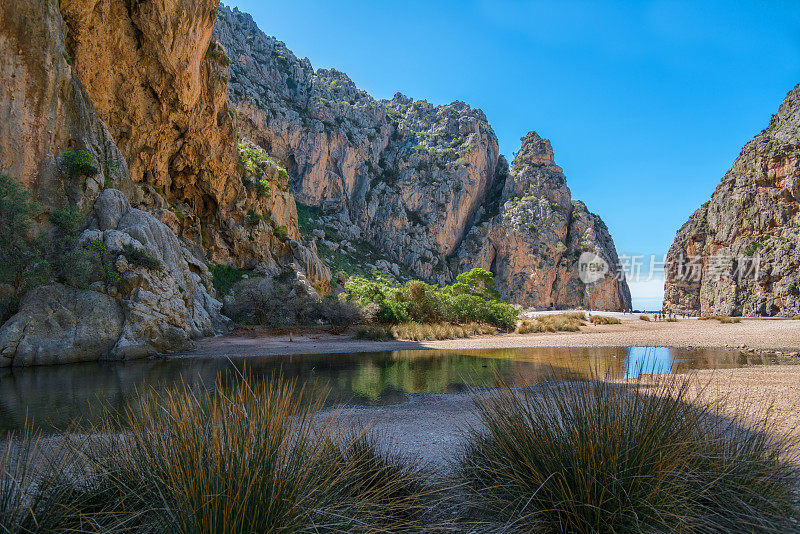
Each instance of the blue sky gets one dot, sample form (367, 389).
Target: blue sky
(647, 103)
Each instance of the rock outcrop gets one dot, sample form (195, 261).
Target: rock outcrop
(160, 84)
(739, 253)
(107, 104)
(45, 111)
(413, 179)
(406, 176)
(144, 310)
(535, 238)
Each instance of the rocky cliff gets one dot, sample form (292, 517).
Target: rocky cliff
(414, 180)
(538, 241)
(180, 136)
(120, 110)
(739, 253)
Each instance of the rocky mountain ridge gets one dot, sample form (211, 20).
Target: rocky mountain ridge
(181, 135)
(739, 253)
(418, 182)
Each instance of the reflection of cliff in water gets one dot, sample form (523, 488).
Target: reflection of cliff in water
(53, 397)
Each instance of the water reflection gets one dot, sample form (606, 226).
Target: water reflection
(53, 397)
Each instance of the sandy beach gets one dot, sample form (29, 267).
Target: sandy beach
(756, 334)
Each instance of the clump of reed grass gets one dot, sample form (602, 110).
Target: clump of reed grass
(29, 484)
(602, 319)
(414, 331)
(591, 456)
(256, 458)
(561, 322)
(724, 319)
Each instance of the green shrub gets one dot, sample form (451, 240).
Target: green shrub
(73, 267)
(252, 218)
(23, 263)
(471, 299)
(104, 261)
(591, 456)
(141, 258)
(263, 187)
(68, 220)
(218, 53)
(281, 232)
(79, 163)
(644, 318)
(224, 277)
(340, 314)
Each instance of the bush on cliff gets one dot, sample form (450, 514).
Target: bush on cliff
(471, 299)
(22, 253)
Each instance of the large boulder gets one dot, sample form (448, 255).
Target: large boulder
(59, 324)
(166, 307)
(156, 305)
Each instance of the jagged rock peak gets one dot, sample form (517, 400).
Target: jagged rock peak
(424, 184)
(535, 150)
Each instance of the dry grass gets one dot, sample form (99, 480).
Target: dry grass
(254, 459)
(601, 319)
(576, 456)
(424, 331)
(562, 322)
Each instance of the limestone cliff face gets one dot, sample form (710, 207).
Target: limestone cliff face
(45, 110)
(535, 234)
(413, 179)
(739, 253)
(160, 84)
(139, 92)
(407, 176)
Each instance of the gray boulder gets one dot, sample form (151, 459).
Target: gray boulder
(148, 310)
(59, 324)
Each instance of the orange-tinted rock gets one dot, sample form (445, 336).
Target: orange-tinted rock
(739, 253)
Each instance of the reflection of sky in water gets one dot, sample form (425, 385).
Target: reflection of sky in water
(648, 360)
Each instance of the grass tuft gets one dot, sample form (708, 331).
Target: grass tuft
(601, 319)
(414, 331)
(255, 458)
(591, 456)
(562, 322)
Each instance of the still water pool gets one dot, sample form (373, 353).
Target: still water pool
(51, 398)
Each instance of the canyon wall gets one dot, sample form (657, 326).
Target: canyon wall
(739, 253)
(119, 110)
(415, 180)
